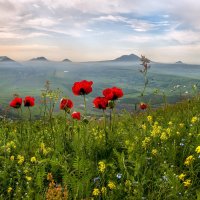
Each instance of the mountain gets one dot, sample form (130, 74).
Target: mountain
(179, 62)
(39, 59)
(127, 58)
(5, 59)
(66, 60)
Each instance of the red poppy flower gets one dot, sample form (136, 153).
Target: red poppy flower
(16, 102)
(113, 93)
(100, 102)
(76, 115)
(66, 104)
(143, 106)
(29, 101)
(82, 87)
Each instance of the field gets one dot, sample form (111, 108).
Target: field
(28, 78)
(116, 154)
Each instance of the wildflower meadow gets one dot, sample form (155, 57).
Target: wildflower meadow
(142, 155)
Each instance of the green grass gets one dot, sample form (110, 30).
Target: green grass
(142, 158)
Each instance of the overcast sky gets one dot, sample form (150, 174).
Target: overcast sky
(82, 30)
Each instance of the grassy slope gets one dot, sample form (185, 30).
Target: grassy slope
(147, 155)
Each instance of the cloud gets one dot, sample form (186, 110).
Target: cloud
(101, 23)
(41, 22)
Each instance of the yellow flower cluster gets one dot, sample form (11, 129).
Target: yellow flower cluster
(146, 142)
(149, 119)
(164, 136)
(156, 130)
(96, 192)
(154, 152)
(170, 123)
(103, 190)
(9, 190)
(197, 149)
(189, 160)
(187, 183)
(20, 159)
(28, 178)
(194, 120)
(12, 158)
(43, 149)
(33, 159)
(102, 166)
(11, 144)
(111, 185)
(144, 127)
(182, 176)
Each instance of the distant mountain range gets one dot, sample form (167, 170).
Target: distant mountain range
(5, 59)
(39, 59)
(123, 58)
(179, 62)
(66, 60)
(128, 58)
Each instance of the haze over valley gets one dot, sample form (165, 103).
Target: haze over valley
(28, 78)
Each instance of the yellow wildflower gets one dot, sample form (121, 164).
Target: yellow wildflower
(33, 159)
(182, 176)
(170, 123)
(20, 159)
(28, 178)
(189, 160)
(111, 185)
(43, 149)
(168, 130)
(156, 130)
(154, 152)
(194, 120)
(9, 190)
(11, 144)
(103, 190)
(181, 125)
(146, 142)
(197, 149)
(12, 158)
(156, 123)
(144, 127)
(96, 192)
(163, 136)
(149, 119)
(187, 183)
(102, 166)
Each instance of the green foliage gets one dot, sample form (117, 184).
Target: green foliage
(149, 155)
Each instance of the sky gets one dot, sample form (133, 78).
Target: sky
(92, 30)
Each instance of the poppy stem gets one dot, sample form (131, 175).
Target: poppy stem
(85, 105)
(65, 134)
(29, 113)
(29, 132)
(106, 134)
(111, 119)
(21, 128)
